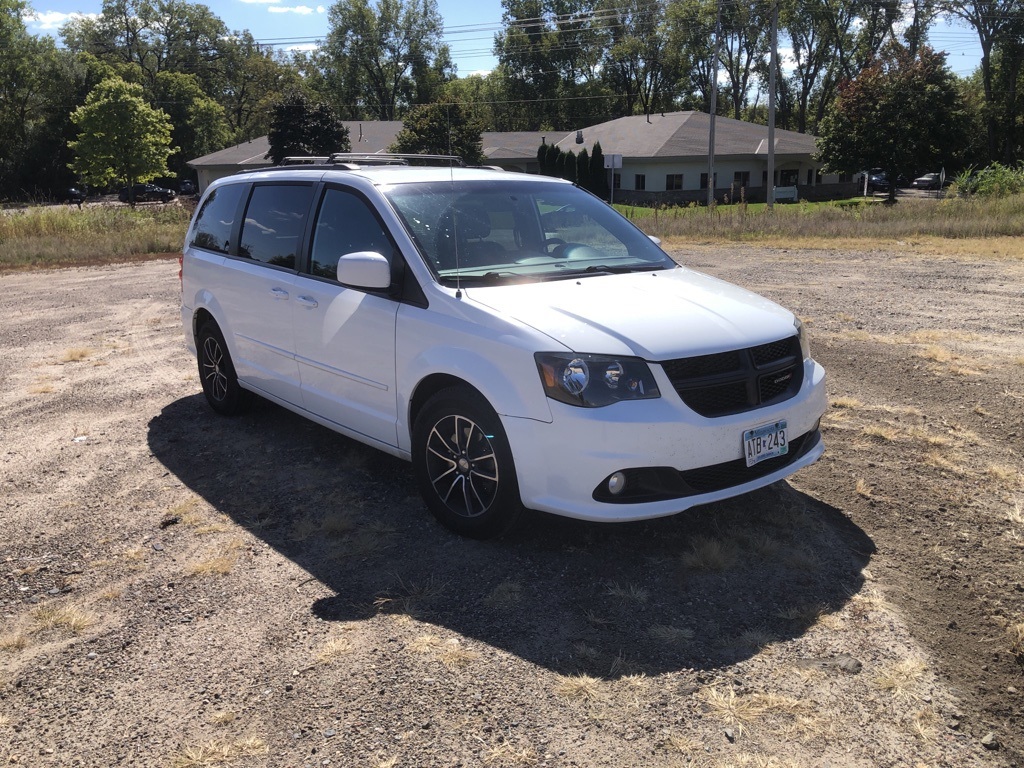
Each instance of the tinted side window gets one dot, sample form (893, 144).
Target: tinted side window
(216, 218)
(274, 223)
(346, 224)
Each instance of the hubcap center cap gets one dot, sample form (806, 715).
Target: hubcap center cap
(463, 464)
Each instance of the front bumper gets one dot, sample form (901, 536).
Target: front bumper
(561, 463)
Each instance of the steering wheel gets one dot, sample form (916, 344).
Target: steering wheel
(553, 241)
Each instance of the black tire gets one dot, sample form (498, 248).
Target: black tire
(463, 464)
(217, 373)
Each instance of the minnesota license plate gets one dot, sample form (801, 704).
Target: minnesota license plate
(765, 442)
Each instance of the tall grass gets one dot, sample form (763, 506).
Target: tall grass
(66, 236)
(804, 223)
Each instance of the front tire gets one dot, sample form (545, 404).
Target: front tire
(217, 373)
(463, 464)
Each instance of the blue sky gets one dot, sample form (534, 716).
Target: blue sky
(469, 27)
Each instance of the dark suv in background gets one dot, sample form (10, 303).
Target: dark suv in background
(148, 193)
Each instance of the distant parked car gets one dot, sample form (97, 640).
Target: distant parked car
(148, 193)
(930, 181)
(878, 181)
(75, 195)
(186, 187)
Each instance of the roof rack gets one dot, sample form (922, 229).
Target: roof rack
(355, 160)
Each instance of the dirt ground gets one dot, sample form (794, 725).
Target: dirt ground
(180, 589)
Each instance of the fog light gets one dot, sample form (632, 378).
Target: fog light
(616, 483)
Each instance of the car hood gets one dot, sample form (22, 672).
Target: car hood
(654, 315)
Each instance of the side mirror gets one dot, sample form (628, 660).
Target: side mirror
(655, 240)
(364, 269)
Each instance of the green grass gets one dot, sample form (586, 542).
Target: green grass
(60, 236)
(855, 219)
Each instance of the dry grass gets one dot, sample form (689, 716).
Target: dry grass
(9, 643)
(742, 712)
(924, 722)
(580, 688)
(901, 679)
(454, 656)
(1004, 475)
(1016, 634)
(505, 595)
(221, 565)
(863, 488)
(62, 617)
(880, 432)
(218, 752)
(709, 554)
(756, 638)
(846, 402)
(222, 717)
(76, 354)
(334, 649)
(505, 754)
(670, 635)
(408, 596)
(630, 593)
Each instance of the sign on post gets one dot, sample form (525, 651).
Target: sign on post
(611, 162)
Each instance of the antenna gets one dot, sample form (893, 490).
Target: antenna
(455, 213)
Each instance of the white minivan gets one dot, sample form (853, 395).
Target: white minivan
(513, 336)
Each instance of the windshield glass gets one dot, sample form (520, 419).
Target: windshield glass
(492, 232)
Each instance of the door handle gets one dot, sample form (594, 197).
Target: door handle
(307, 301)
(279, 294)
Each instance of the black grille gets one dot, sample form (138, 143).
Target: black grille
(739, 380)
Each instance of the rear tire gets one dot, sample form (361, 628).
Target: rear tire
(463, 464)
(217, 373)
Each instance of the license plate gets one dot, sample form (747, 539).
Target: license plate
(765, 442)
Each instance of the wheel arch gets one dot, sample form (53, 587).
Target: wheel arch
(430, 386)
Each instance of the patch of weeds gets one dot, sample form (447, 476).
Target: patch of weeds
(801, 560)
(217, 752)
(505, 754)
(863, 488)
(806, 615)
(679, 742)
(11, 643)
(594, 619)
(918, 433)
(900, 679)
(846, 402)
(408, 596)
(756, 638)
(381, 761)
(220, 565)
(742, 712)
(454, 656)
(76, 355)
(670, 635)
(880, 432)
(585, 653)
(110, 594)
(763, 544)
(936, 354)
(334, 649)
(63, 617)
(222, 717)
(630, 593)
(924, 722)
(1016, 633)
(506, 595)
(709, 554)
(579, 688)
(1003, 475)
(941, 460)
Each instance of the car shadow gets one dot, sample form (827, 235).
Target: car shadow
(701, 590)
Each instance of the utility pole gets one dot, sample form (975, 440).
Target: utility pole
(714, 105)
(771, 106)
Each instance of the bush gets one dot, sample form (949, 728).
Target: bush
(994, 181)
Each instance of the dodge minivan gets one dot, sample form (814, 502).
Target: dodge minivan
(515, 338)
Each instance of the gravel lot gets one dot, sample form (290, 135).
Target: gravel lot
(185, 590)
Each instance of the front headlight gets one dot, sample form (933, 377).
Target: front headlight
(592, 381)
(805, 344)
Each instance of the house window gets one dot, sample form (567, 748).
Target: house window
(810, 176)
(616, 181)
(741, 178)
(818, 177)
(704, 181)
(789, 178)
(673, 181)
(640, 181)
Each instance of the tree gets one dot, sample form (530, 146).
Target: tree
(382, 59)
(198, 121)
(301, 127)
(441, 129)
(121, 138)
(254, 80)
(902, 114)
(598, 173)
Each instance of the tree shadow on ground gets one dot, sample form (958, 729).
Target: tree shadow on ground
(701, 590)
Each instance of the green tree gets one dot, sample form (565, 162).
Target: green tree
(441, 129)
(598, 173)
(380, 59)
(199, 126)
(901, 114)
(301, 127)
(583, 168)
(121, 138)
(255, 78)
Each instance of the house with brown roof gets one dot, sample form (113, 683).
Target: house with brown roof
(664, 157)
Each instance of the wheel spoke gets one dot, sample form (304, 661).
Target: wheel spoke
(462, 465)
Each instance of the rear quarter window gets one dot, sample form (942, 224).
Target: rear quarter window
(275, 222)
(216, 218)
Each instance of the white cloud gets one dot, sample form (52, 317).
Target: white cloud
(301, 10)
(302, 47)
(46, 20)
(261, 1)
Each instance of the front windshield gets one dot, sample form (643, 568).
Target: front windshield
(491, 232)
